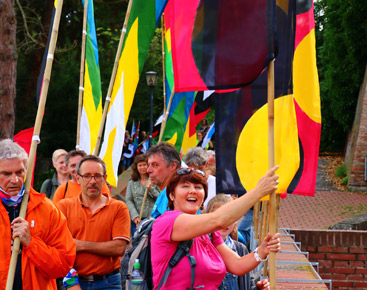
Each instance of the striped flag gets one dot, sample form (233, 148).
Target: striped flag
(92, 97)
(144, 17)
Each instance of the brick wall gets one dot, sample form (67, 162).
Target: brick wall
(342, 255)
(356, 150)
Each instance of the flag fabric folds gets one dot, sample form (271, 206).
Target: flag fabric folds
(241, 123)
(24, 139)
(181, 103)
(208, 135)
(220, 44)
(92, 96)
(144, 16)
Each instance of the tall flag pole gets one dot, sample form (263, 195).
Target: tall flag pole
(145, 15)
(91, 93)
(273, 211)
(179, 104)
(81, 77)
(35, 139)
(163, 62)
(112, 80)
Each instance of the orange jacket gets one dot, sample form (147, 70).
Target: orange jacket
(51, 252)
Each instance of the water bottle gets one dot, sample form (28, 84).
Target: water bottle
(136, 282)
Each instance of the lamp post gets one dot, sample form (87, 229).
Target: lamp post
(151, 77)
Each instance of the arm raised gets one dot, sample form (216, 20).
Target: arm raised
(188, 226)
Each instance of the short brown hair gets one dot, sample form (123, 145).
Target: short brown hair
(91, 158)
(73, 153)
(193, 177)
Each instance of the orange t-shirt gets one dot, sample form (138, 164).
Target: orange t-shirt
(74, 189)
(110, 222)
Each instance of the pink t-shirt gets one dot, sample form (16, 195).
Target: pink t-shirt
(210, 268)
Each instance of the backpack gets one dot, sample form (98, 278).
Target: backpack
(141, 250)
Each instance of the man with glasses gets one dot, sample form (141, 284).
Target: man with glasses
(72, 187)
(100, 227)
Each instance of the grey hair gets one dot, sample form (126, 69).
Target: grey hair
(167, 152)
(196, 156)
(11, 150)
(211, 153)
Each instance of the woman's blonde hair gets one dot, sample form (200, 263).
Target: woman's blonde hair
(217, 201)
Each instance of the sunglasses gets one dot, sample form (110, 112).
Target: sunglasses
(187, 170)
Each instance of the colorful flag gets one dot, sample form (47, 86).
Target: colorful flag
(220, 44)
(157, 127)
(144, 17)
(181, 103)
(208, 135)
(241, 122)
(92, 96)
(199, 110)
(44, 58)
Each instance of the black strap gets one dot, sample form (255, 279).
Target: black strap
(182, 250)
(49, 188)
(66, 188)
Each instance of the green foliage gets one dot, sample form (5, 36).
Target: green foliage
(40, 177)
(341, 171)
(344, 181)
(342, 58)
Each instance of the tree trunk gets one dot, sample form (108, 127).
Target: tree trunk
(8, 65)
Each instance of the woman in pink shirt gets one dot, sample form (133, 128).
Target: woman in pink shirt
(186, 193)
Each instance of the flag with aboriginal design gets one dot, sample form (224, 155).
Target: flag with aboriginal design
(220, 44)
(241, 123)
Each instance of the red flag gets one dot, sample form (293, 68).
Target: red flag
(219, 44)
(24, 139)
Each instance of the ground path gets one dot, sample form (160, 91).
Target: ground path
(328, 207)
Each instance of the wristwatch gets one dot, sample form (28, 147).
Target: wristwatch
(258, 258)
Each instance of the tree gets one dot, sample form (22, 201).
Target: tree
(8, 62)
(342, 61)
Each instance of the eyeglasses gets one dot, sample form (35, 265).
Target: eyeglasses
(187, 170)
(88, 177)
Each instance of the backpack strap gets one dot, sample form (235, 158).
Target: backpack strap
(182, 250)
(49, 188)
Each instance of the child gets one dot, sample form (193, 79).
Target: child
(233, 282)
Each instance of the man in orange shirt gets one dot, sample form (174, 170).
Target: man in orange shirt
(47, 248)
(72, 187)
(99, 225)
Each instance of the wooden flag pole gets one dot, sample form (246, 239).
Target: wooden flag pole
(35, 140)
(273, 213)
(113, 77)
(163, 63)
(165, 115)
(144, 201)
(81, 78)
(255, 221)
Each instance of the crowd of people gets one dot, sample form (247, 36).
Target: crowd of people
(77, 240)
